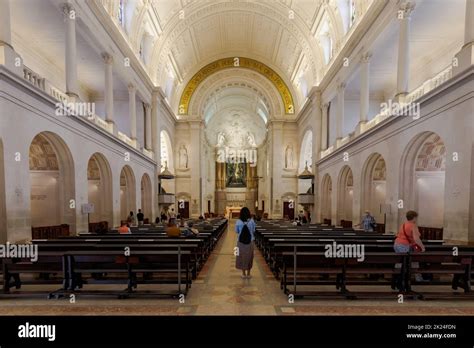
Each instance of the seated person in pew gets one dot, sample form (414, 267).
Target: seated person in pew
(408, 239)
(368, 222)
(190, 231)
(101, 228)
(182, 223)
(207, 226)
(124, 229)
(163, 216)
(172, 230)
(296, 222)
(171, 214)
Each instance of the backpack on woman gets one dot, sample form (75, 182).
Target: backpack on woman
(245, 237)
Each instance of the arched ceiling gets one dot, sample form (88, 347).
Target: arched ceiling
(238, 87)
(236, 63)
(178, 38)
(42, 155)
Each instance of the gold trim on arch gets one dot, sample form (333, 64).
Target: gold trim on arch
(236, 62)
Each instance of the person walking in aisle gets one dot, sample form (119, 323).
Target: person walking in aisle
(245, 229)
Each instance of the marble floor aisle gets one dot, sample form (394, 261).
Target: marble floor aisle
(219, 290)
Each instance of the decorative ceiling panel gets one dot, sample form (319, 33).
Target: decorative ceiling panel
(42, 155)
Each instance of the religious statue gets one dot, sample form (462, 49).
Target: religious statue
(289, 157)
(183, 157)
(251, 139)
(220, 139)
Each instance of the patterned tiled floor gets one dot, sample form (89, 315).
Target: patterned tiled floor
(219, 290)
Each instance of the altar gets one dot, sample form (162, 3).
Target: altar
(232, 212)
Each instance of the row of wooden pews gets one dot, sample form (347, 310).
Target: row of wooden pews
(147, 256)
(297, 256)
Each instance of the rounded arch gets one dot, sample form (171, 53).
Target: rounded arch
(127, 192)
(167, 157)
(422, 179)
(248, 81)
(345, 184)
(3, 207)
(326, 199)
(306, 151)
(373, 185)
(231, 63)
(52, 182)
(99, 181)
(146, 196)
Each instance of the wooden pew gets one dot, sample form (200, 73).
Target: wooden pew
(302, 268)
(48, 263)
(50, 231)
(165, 267)
(76, 268)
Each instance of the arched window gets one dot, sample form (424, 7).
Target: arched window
(121, 13)
(166, 151)
(352, 12)
(141, 50)
(326, 41)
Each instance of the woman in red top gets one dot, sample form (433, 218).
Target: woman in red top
(408, 237)
(124, 229)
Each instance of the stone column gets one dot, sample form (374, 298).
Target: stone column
(364, 89)
(340, 112)
(5, 24)
(403, 15)
(324, 127)
(148, 127)
(156, 147)
(72, 86)
(318, 130)
(276, 188)
(17, 190)
(469, 23)
(132, 109)
(195, 167)
(465, 58)
(317, 119)
(109, 90)
(8, 56)
(155, 132)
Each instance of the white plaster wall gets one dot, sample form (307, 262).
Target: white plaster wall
(351, 115)
(3, 209)
(45, 199)
(430, 198)
(447, 113)
(25, 114)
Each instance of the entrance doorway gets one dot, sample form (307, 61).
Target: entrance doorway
(289, 210)
(183, 209)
